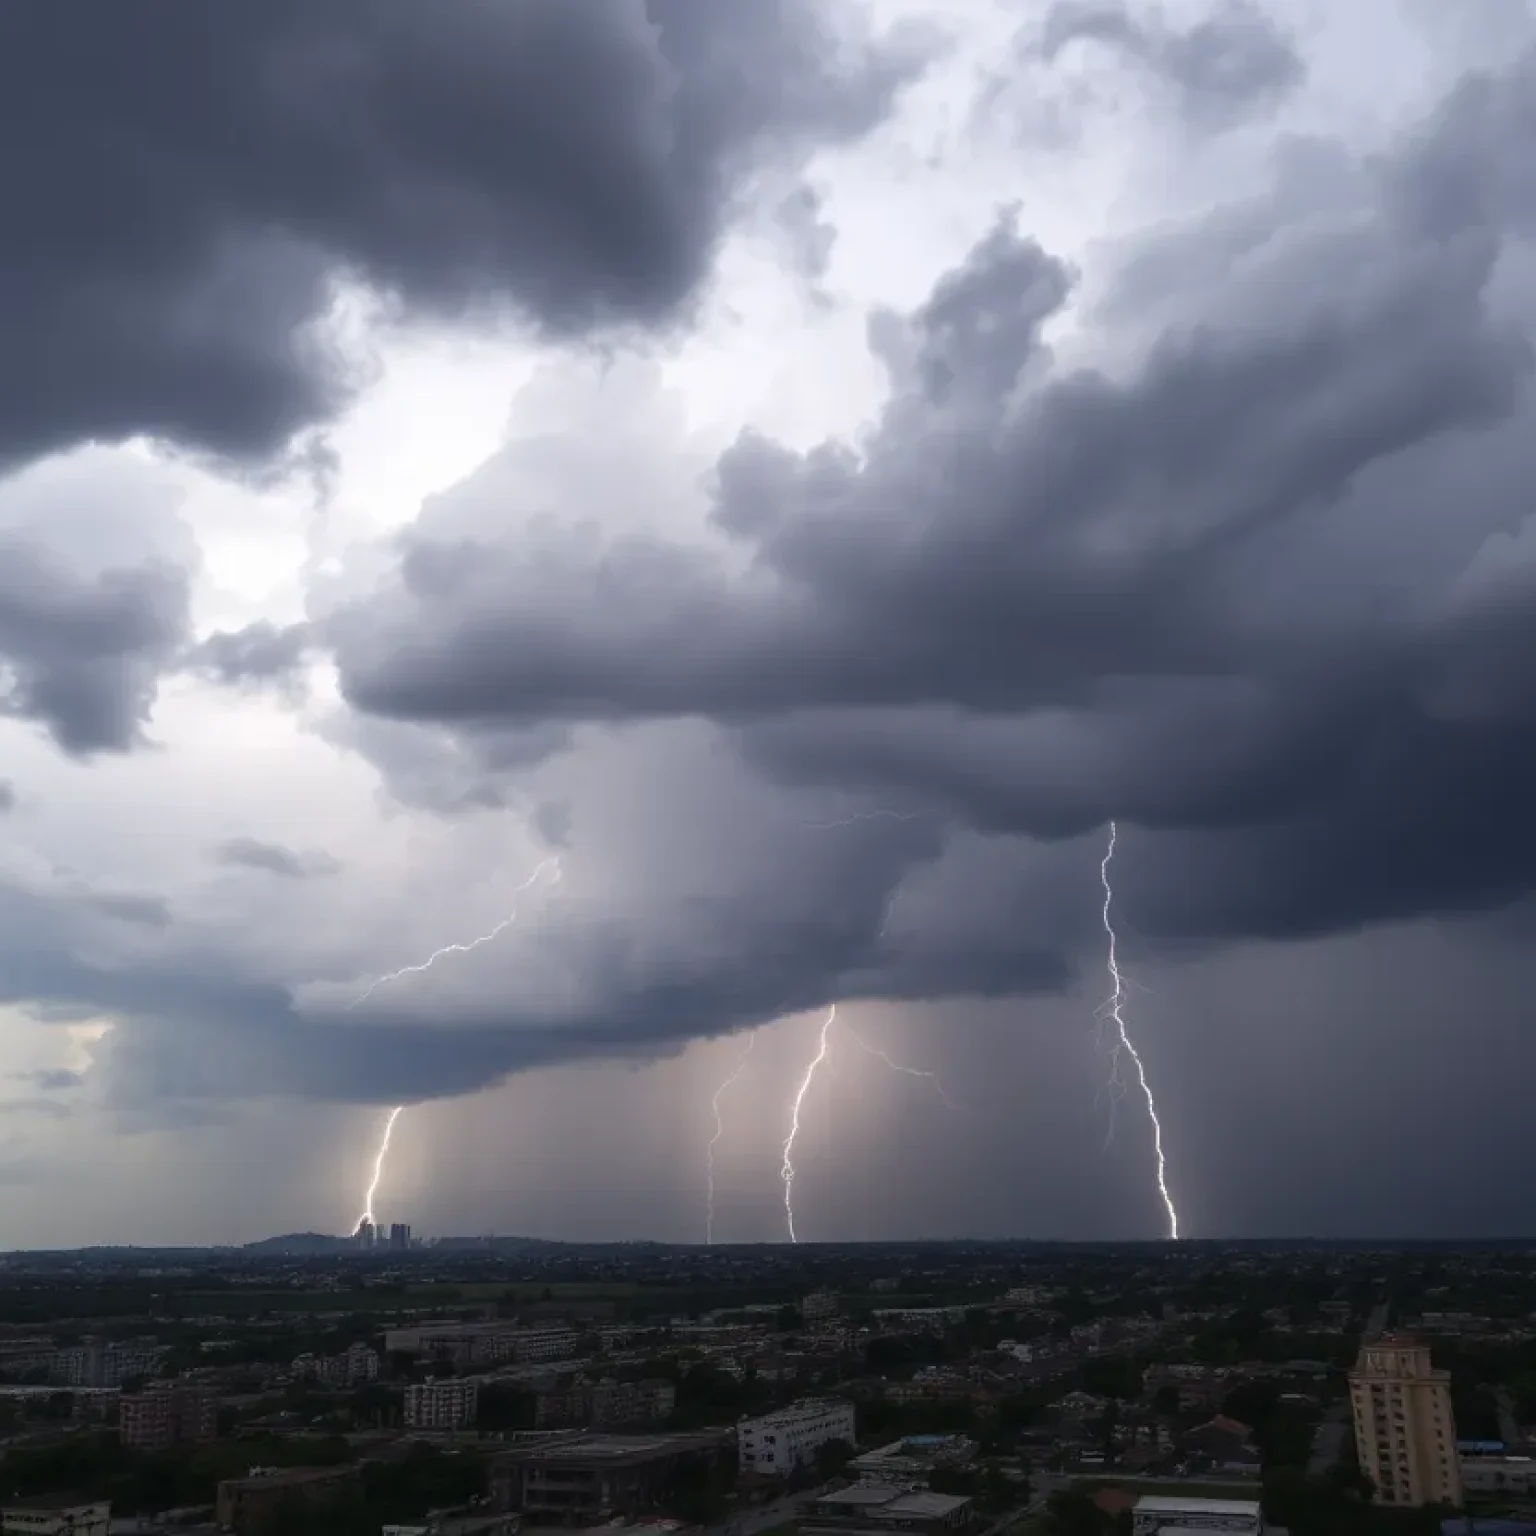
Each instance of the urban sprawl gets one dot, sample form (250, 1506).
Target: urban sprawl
(306, 1387)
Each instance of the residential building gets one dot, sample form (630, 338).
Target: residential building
(870, 1509)
(1405, 1435)
(252, 1504)
(819, 1306)
(355, 1367)
(399, 1235)
(777, 1443)
(95, 1363)
(168, 1413)
(1239, 1517)
(492, 1343)
(1497, 1474)
(67, 1515)
(614, 1404)
(445, 1404)
(905, 1463)
(585, 1479)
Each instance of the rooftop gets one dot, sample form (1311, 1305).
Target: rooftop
(1157, 1504)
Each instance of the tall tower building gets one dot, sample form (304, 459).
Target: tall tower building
(1404, 1433)
(399, 1234)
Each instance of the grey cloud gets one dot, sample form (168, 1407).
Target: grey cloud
(274, 859)
(262, 652)
(1220, 69)
(1268, 592)
(250, 158)
(52, 1079)
(125, 907)
(82, 656)
(7, 796)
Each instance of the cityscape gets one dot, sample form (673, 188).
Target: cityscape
(766, 767)
(484, 1386)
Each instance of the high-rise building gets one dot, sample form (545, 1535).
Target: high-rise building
(399, 1235)
(366, 1235)
(1404, 1433)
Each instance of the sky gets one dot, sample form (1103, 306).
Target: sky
(750, 493)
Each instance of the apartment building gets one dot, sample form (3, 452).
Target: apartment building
(168, 1413)
(441, 1405)
(777, 1443)
(1404, 1431)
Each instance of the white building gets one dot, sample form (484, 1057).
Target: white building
(57, 1517)
(544, 1344)
(1240, 1517)
(447, 1404)
(777, 1443)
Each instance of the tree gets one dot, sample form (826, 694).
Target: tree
(832, 1458)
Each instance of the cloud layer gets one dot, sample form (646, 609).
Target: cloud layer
(197, 185)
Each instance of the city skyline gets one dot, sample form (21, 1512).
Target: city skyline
(494, 617)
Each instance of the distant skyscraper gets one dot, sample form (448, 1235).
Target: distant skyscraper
(399, 1235)
(366, 1235)
(1404, 1433)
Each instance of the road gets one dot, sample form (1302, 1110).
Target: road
(763, 1517)
(1328, 1442)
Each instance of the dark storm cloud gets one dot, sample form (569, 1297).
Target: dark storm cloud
(804, 928)
(197, 178)
(1220, 69)
(274, 859)
(1268, 590)
(83, 656)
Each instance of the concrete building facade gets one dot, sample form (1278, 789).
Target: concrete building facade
(1404, 1431)
(449, 1404)
(168, 1413)
(777, 1443)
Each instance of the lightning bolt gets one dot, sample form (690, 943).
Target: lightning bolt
(1114, 1013)
(460, 949)
(858, 816)
(709, 1153)
(378, 1166)
(881, 1054)
(787, 1170)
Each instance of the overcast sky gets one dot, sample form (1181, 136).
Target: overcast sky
(757, 489)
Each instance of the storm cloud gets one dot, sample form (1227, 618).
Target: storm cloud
(1267, 590)
(732, 548)
(197, 183)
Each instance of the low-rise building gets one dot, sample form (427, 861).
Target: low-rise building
(777, 1443)
(586, 1479)
(251, 1504)
(442, 1405)
(912, 1460)
(57, 1515)
(869, 1509)
(1236, 1517)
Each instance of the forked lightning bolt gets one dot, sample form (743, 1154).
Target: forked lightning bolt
(378, 1167)
(460, 949)
(787, 1170)
(1114, 1011)
(858, 816)
(709, 1153)
(881, 1054)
